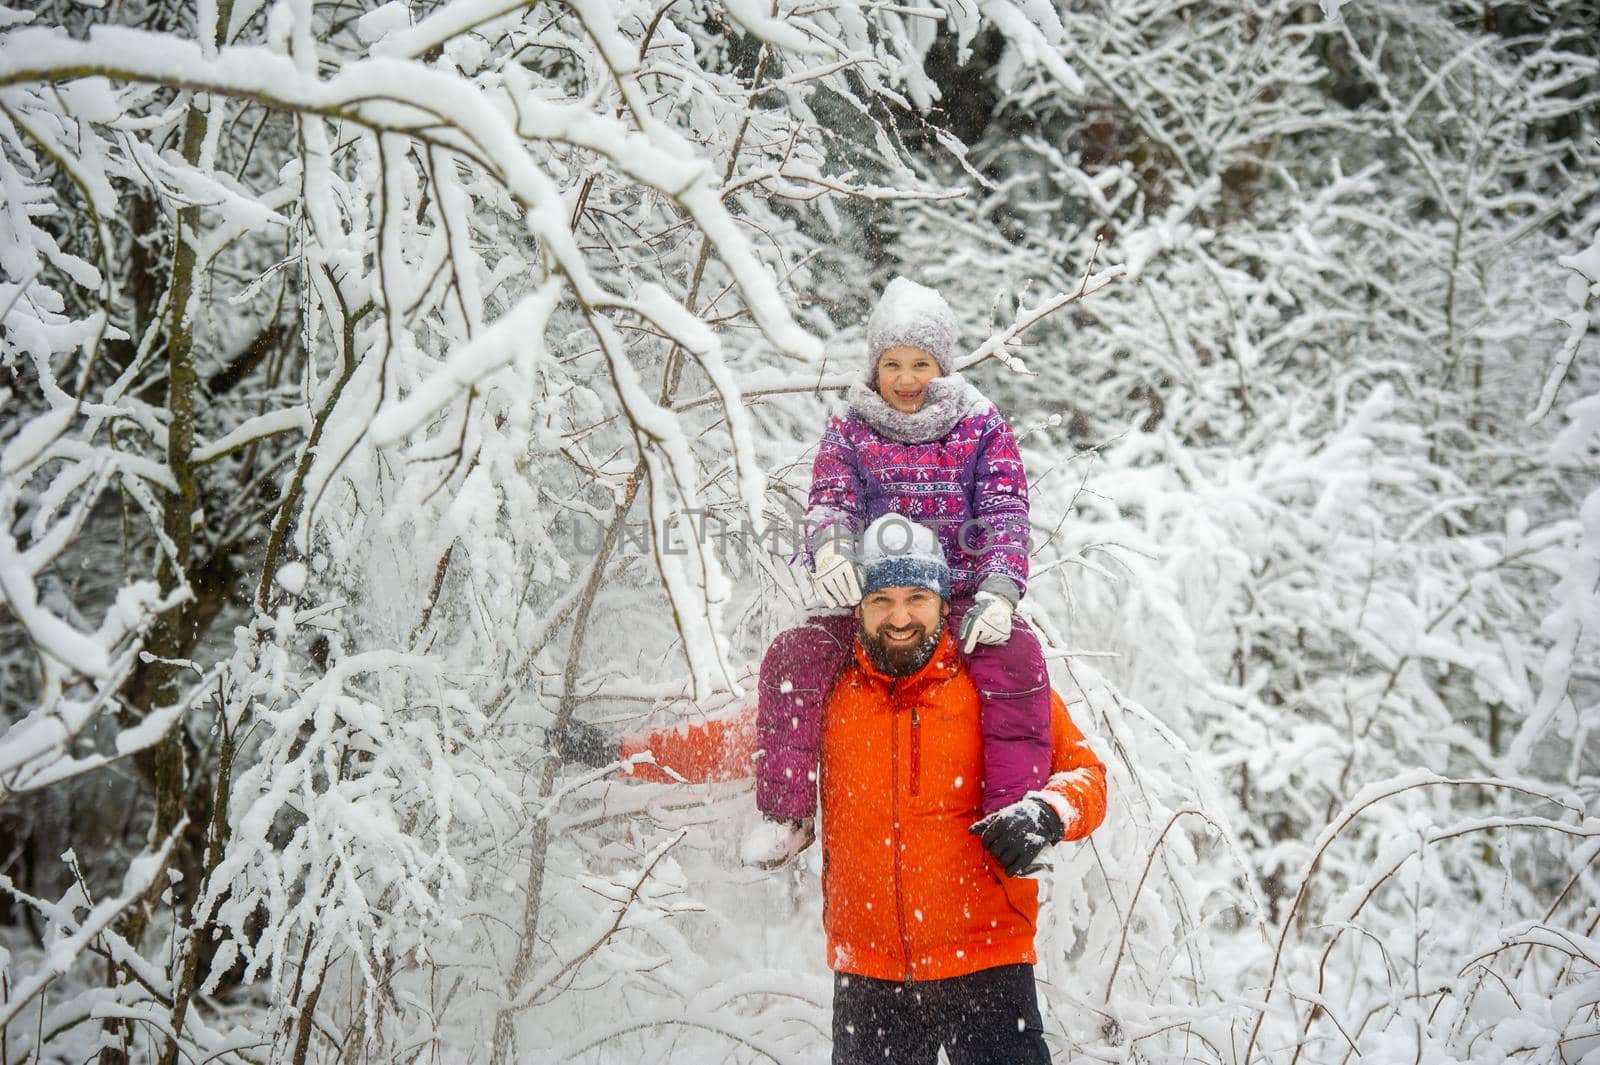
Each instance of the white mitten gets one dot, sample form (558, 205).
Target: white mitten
(772, 843)
(836, 575)
(989, 621)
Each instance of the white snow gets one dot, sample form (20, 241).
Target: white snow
(292, 577)
(288, 419)
(73, 649)
(1278, 524)
(382, 21)
(896, 536)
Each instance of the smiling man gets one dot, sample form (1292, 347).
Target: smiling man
(930, 929)
(930, 924)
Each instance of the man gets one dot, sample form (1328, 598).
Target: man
(930, 930)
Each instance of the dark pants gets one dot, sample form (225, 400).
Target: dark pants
(989, 1017)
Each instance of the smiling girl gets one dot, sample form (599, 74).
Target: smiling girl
(917, 440)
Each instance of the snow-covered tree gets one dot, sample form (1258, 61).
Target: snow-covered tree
(385, 386)
(399, 343)
(1342, 234)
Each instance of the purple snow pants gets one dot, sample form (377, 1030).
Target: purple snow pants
(798, 672)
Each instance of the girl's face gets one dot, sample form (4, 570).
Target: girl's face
(903, 376)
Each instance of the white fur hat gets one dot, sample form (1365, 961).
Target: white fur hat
(915, 316)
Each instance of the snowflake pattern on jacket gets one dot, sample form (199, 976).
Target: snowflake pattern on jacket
(969, 487)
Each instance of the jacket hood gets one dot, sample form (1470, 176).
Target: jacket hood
(950, 399)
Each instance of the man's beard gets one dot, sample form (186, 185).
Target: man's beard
(900, 660)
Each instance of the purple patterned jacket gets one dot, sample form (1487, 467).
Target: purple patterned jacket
(953, 466)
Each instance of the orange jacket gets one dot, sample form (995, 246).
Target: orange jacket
(907, 891)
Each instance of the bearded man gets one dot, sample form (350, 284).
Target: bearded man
(929, 917)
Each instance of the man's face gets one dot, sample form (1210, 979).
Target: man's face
(900, 628)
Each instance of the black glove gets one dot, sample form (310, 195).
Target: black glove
(584, 744)
(1016, 834)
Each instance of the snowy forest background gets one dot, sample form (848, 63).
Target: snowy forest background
(385, 385)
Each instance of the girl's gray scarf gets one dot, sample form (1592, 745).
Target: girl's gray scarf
(950, 398)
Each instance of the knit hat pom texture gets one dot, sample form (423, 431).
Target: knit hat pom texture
(911, 315)
(897, 552)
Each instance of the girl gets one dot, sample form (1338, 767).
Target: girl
(920, 441)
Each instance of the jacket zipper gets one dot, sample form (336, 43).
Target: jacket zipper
(894, 811)
(916, 754)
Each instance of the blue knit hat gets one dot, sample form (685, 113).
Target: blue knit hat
(896, 552)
